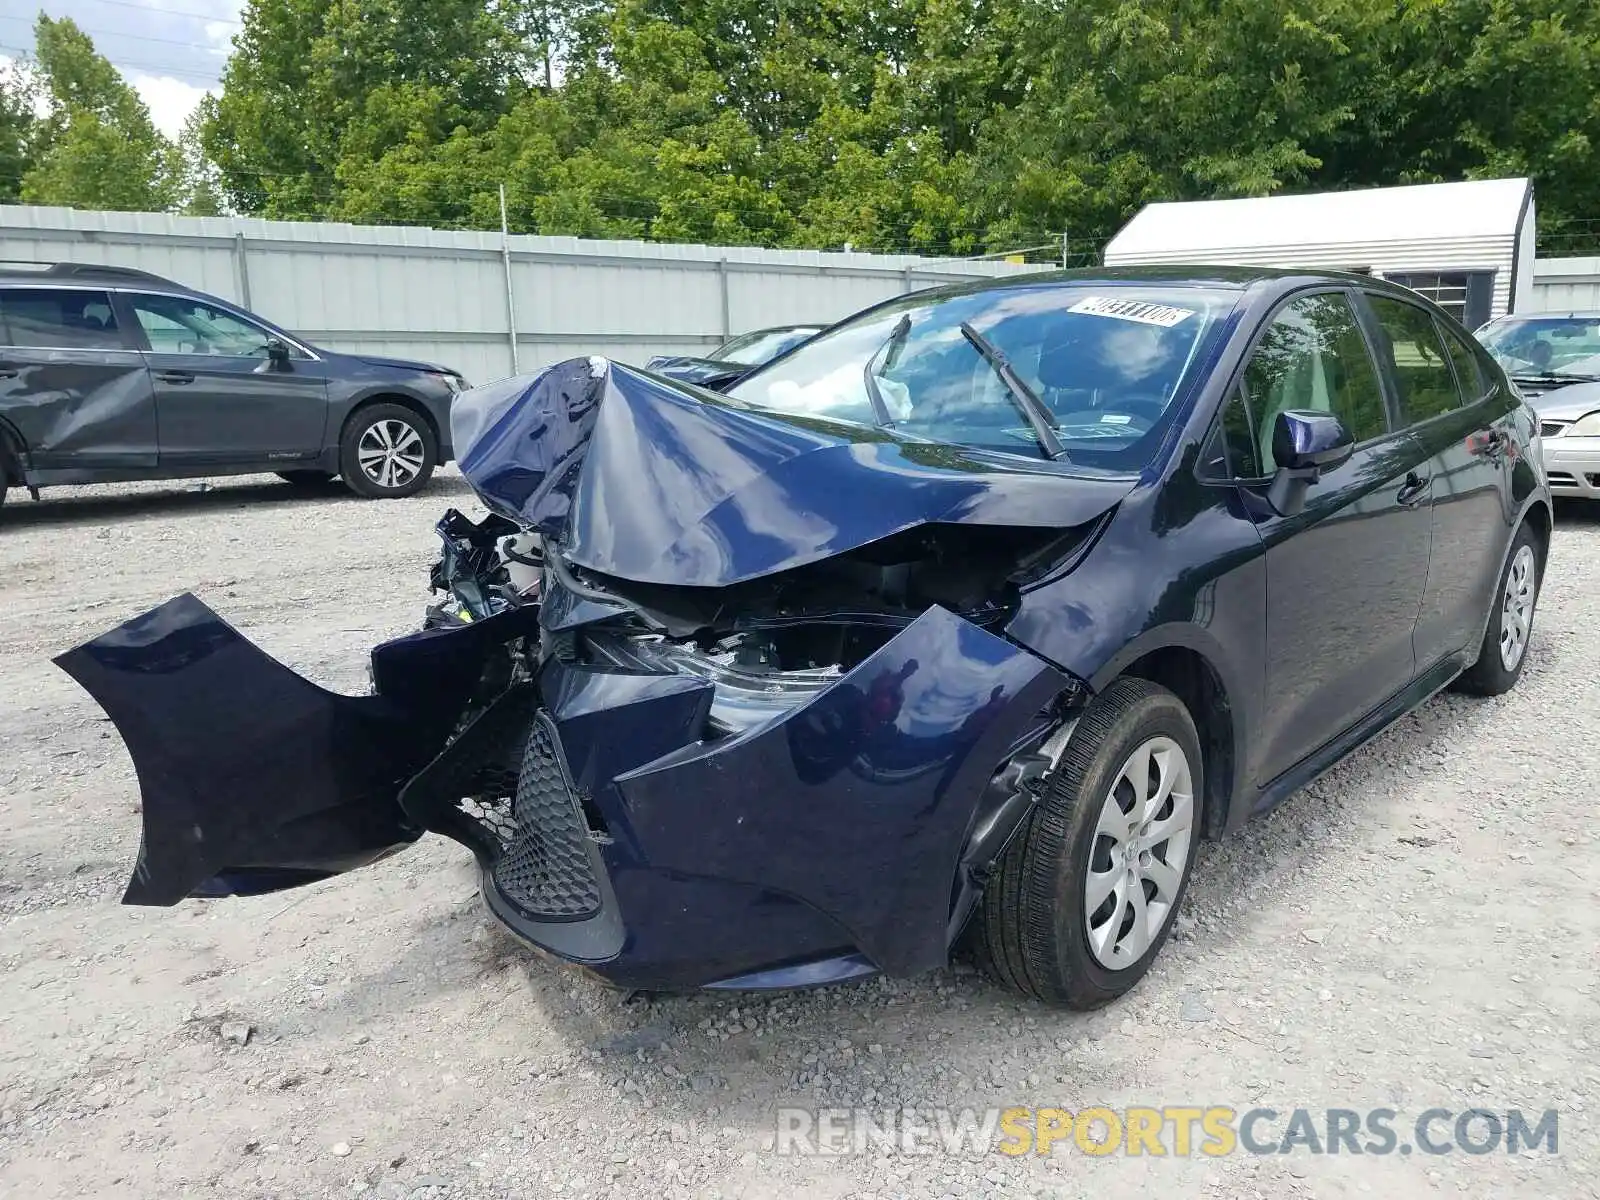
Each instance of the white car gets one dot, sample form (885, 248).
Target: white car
(1554, 360)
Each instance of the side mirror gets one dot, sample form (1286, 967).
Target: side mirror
(1304, 445)
(278, 354)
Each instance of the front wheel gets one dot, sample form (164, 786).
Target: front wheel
(1083, 899)
(387, 451)
(1504, 651)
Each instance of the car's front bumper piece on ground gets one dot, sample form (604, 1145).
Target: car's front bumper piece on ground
(643, 839)
(254, 779)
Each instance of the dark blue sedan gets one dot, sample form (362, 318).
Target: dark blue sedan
(965, 620)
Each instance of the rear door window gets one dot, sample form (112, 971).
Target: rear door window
(1312, 357)
(1422, 371)
(59, 318)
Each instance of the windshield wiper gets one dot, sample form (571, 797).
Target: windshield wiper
(889, 349)
(1024, 396)
(1548, 376)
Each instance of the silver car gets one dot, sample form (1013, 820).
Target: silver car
(1554, 360)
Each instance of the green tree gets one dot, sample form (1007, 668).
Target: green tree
(19, 128)
(317, 92)
(199, 185)
(97, 147)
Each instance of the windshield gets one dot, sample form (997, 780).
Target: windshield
(750, 349)
(1107, 364)
(1567, 346)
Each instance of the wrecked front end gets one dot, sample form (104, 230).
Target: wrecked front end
(717, 698)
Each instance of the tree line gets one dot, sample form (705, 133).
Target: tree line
(937, 126)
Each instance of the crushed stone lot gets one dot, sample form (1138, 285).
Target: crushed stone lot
(1419, 929)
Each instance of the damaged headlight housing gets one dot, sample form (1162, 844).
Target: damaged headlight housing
(747, 690)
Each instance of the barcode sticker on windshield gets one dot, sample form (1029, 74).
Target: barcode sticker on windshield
(1164, 315)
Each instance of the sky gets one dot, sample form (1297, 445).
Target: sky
(172, 51)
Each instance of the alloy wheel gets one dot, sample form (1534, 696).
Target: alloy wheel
(1141, 847)
(1516, 611)
(391, 453)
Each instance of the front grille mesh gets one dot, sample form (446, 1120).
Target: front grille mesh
(1551, 428)
(547, 870)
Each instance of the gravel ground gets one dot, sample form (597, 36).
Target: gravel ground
(1416, 930)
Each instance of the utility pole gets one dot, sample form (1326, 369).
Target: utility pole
(511, 295)
(1063, 249)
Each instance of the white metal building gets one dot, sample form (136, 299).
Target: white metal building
(455, 297)
(1468, 246)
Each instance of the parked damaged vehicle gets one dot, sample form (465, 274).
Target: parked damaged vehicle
(735, 358)
(109, 374)
(966, 620)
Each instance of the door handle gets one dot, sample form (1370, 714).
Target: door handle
(9, 372)
(1415, 488)
(175, 376)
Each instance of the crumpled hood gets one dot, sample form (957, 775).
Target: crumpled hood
(637, 479)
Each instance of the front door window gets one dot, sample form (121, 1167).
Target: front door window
(176, 325)
(1313, 357)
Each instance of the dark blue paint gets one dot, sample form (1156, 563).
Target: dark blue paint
(693, 490)
(857, 803)
(832, 831)
(1305, 440)
(243, 764)
(824, 844)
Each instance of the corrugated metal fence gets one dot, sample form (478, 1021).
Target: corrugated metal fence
(1566, 285)
(442, 296)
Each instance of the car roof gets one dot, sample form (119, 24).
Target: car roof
(1212, 275)
(23, 271)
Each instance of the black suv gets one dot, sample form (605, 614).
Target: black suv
(110, 374)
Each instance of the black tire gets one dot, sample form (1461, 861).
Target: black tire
(1490, 676)
(390, 417)
(310, 480)
(1031, 931)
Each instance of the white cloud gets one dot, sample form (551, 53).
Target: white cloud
(170, 100)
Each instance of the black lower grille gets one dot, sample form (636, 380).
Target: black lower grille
(547, 870)
(1551, 428)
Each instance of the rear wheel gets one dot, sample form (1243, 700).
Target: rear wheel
(387, 451)
(1083, 899)
(1504, 651)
